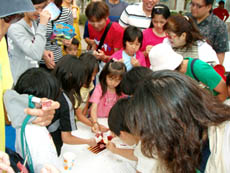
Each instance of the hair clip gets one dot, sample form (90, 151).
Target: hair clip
(186, 17)
(156, 7)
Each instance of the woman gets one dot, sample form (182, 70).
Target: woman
(185, 38)
(174, 118)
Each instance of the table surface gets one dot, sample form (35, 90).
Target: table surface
(103, 162)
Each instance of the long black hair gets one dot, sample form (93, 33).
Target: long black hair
(39, 83)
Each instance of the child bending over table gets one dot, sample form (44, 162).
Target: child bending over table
(118, 126)
(92, 67)
(71, 74)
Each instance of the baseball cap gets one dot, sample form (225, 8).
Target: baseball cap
(163, 57)
(10, 7)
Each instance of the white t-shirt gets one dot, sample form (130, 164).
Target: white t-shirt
(144, 164)
(41, 146)
(135, 16)
(205, 52)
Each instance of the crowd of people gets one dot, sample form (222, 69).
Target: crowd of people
(157, 77)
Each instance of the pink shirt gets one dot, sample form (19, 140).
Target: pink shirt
(105, 103)
(150, 38)
(139, 56)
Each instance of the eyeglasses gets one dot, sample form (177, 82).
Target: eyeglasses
(192, 4)
(13, 18)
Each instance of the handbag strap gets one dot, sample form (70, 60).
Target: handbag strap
(25, 148)
(104, 35)
(192, 69)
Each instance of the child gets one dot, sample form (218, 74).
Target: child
(130, 54)
(27, 40)
(118, 126)
(132, 79)
(106, 93)
(39, 83)
(155, 34)
(72, 49)
(71, 74)
(97, 14)
(92, 68)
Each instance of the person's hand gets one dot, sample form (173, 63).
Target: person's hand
(95, 128)
(44, 17)
(5, 163)
(111, 147)
(92, 142)
(49, 169)
(103, 128)
(134, 62)
(99, 54)
(67, 42)
(148, 48)
(45, 114)
(48, 57)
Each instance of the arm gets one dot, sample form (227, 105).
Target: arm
(221, 88)
(81, 117)
(226, 15)
(16, 107)
(221, 57)
(126, 153)
(68, 138)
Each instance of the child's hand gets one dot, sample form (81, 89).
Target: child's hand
(92, 142)
(5, 163)
(135, 62)
(44, 17)
(103, 128)
(111, 147)
(99, 54)
(95, 128)
(48, 57)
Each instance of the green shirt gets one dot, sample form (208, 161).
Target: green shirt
(205, 73)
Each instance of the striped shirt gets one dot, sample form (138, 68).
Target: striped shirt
(135, 16)
(66, 17)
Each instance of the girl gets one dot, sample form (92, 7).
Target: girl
(92, 68)
(106, 93)
(185, 38)
(177, 122)
(155, 33)
(39, 83)
(130, 54)
(71, 74)
(71, 4)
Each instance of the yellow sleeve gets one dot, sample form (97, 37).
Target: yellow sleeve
(6, 82)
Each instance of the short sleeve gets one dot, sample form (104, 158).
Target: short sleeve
(206, 74)
(123, 21)
(96, 96)
(144, 164)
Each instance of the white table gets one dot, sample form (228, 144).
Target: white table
(104, 162)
